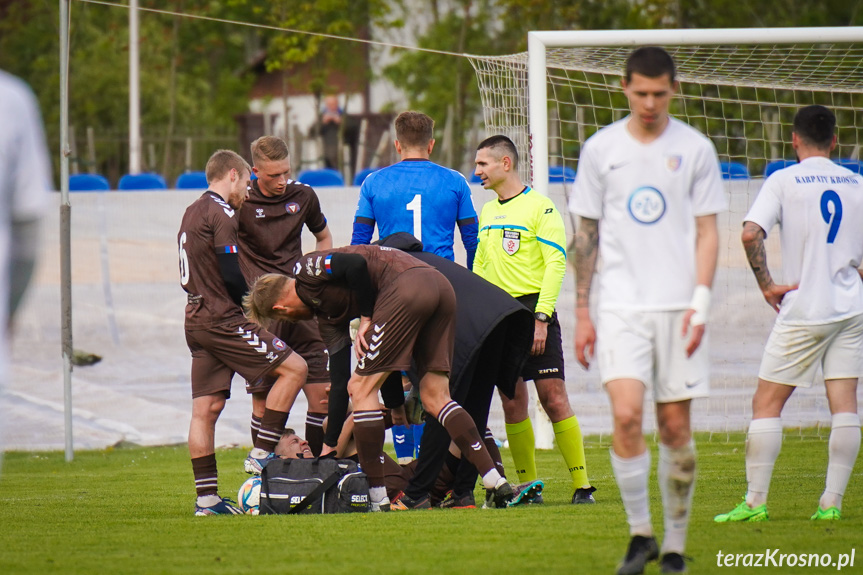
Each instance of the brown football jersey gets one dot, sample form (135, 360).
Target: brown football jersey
(333, 302)
(271, 228)
(209, 227)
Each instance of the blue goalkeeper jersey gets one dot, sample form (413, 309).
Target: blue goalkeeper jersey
(421, 198)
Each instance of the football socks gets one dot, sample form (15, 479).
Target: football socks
(843, 448)
(567, 434)
(631, 474)
(763, 442)
(522, 445)
(676, 474)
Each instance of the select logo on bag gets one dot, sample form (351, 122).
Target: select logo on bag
(511, 241)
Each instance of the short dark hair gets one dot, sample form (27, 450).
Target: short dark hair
(414, 129)
(222, 162)
(650, 61)
(815, 125)
(501, 146)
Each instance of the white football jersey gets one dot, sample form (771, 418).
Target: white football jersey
(646, 197)
(819, 207)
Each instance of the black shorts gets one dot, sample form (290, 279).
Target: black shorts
(550, 364)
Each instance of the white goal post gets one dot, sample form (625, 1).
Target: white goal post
(741, 88)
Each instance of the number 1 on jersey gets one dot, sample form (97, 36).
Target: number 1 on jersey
(833, 218)
(416, 206)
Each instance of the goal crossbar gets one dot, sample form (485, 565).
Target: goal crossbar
(538, 42)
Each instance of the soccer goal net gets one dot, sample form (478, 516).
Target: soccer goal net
(739, 87)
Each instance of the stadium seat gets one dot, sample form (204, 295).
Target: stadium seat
(147, 181)
(560, 174)
(88, 183)
(777, 165)
(362, 175)
(734, 171)
(474, 179)
(192, 181)
(853, 165)
(321, 178)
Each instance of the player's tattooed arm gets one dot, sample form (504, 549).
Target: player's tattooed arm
(586, 251)
(753, 242)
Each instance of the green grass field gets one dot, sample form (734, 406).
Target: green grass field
(130, 511)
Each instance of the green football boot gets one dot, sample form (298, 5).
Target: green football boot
(743, 513)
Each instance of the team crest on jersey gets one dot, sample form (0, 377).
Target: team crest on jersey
(646, 205)
(259, 212)
(673, 162)
(292, 207)
(511, 241)
(279, 344)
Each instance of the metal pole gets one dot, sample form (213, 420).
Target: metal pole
(134, 93)
(65, 230)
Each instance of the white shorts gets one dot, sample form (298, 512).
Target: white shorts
(648, 347)
(793, 353)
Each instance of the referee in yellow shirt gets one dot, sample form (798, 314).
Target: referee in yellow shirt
(521, 250)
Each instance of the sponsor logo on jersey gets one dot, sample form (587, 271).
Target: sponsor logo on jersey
(673, 162)
(298, 267)
(500, 217)
(259, 212)
(646, 205)
(271, 357)
(318, 268)
(511, 241)
(279, 344)
(292, 207)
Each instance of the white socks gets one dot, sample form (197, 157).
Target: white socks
(763, 442)
(631, 475)
(843, 448)
(676, 474)
(491, 479)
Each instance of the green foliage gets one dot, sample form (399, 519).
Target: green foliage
(130, 511)
(191, 72)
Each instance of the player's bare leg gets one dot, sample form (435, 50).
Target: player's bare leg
(630, 461)
(369, 433)
(567, 434)
(843, 447)
(676, 472)
(202, 450)
(291, 375)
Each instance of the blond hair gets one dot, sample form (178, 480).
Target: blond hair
(222, 162)
(269, 149)
(263, 295)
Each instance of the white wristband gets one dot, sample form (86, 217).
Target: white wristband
(701, 304)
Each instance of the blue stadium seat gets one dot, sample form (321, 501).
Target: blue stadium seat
(147, 181)
(88, 183)
(362, 175)
(560, 174)
(734, 171)
(474, 179)
(777, 165)
(321, 178)
(853, 165)
(192, 181)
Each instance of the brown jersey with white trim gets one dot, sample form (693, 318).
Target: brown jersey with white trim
(209, 227)
(271, 228)
(333, 302)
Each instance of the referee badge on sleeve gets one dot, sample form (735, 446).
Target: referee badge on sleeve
(511, 241)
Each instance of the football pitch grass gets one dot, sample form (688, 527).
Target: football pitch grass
(130, 510)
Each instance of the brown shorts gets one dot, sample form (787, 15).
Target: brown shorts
(242, 347)
(414, 317)
(305, 339)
